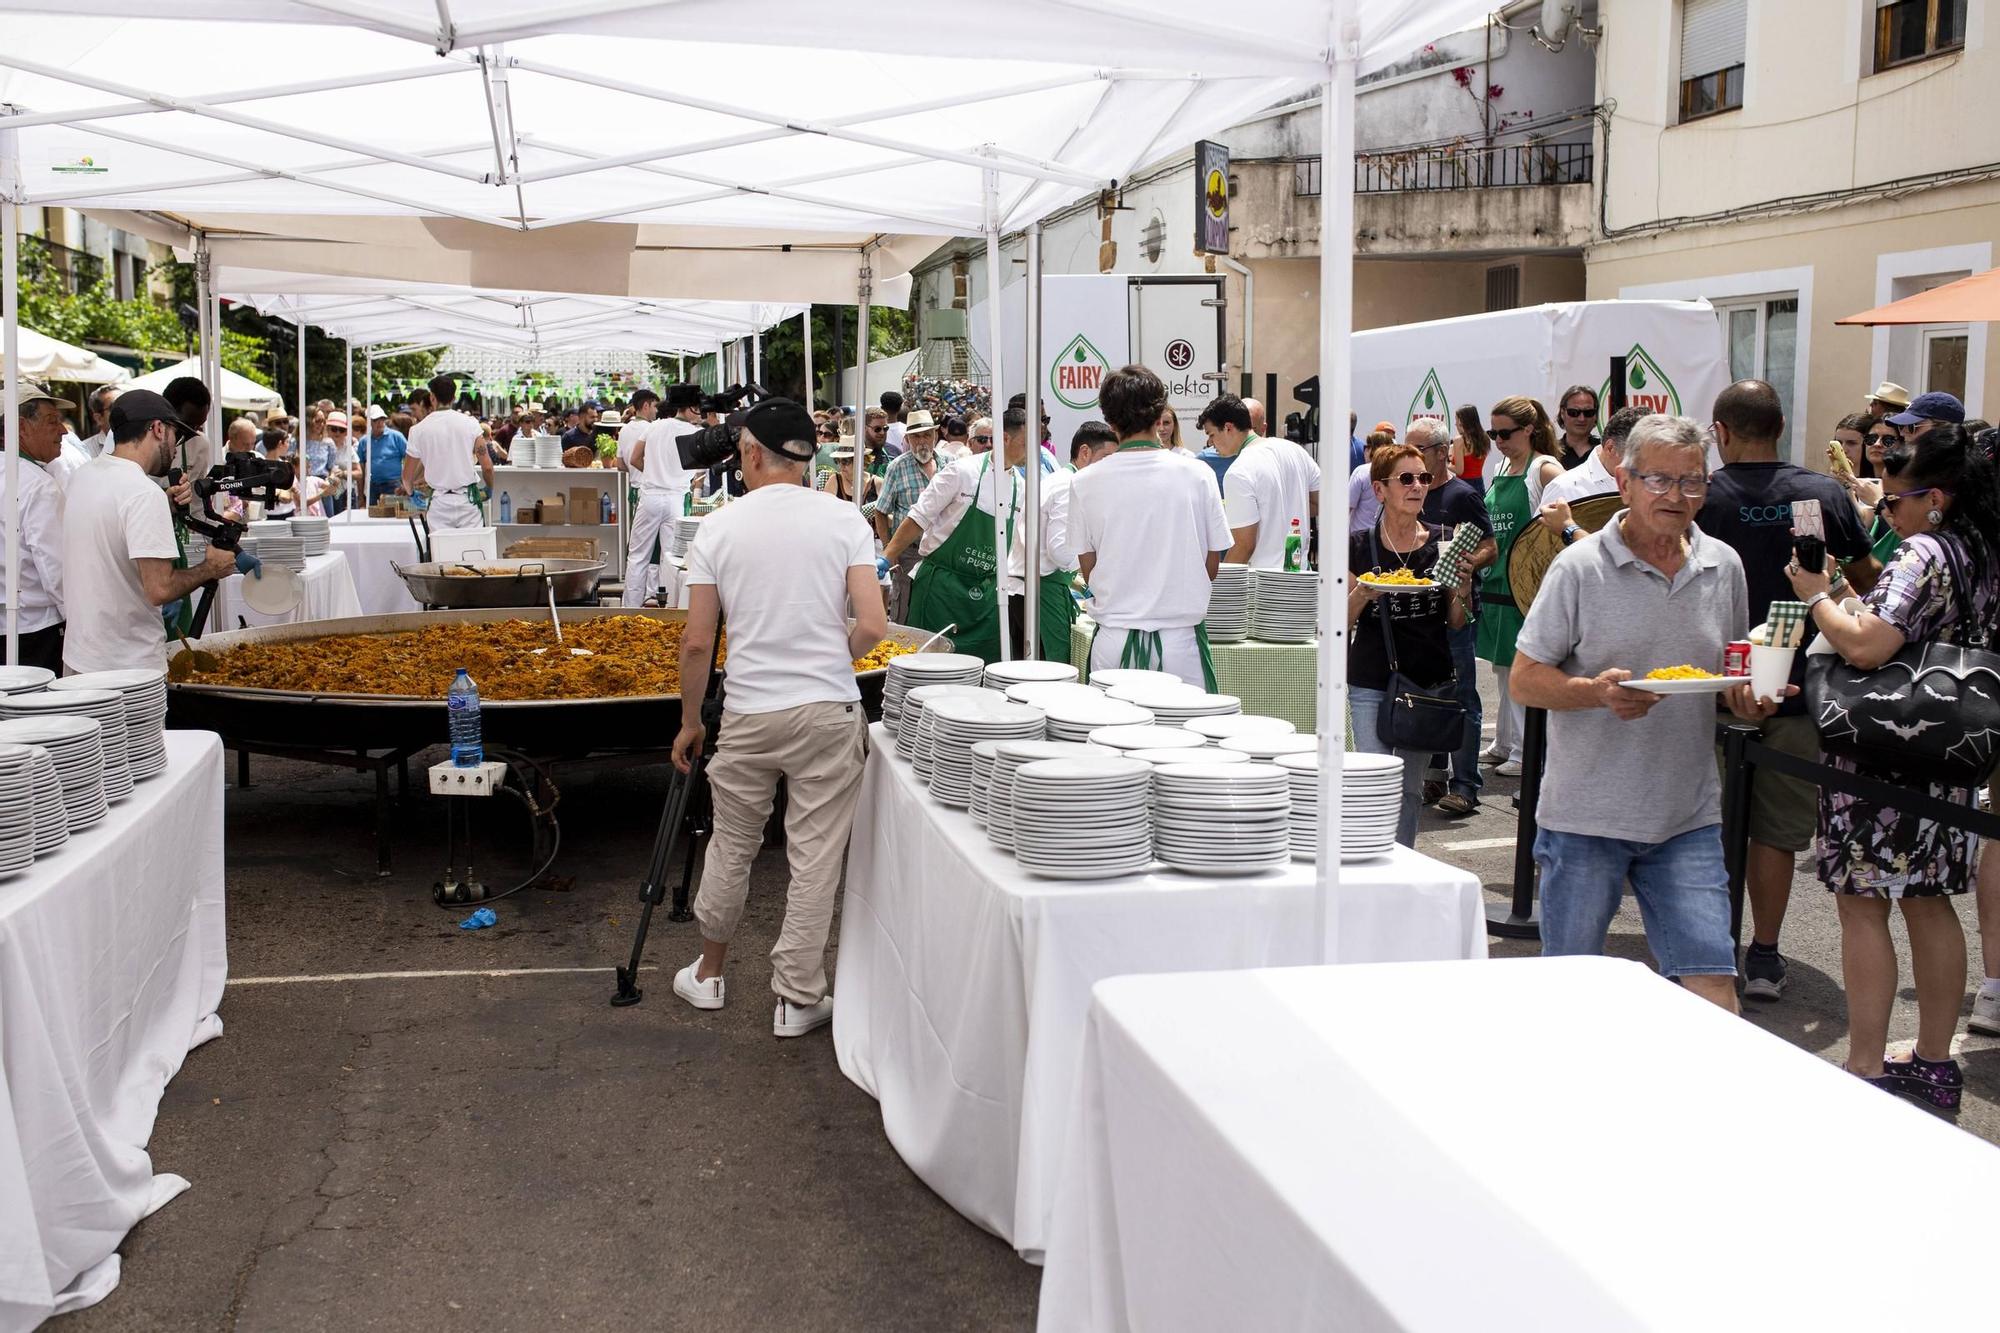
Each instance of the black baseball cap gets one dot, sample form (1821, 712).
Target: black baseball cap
(136, 407)
(782, 426)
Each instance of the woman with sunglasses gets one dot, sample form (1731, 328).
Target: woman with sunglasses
(1526, 441)
(1578, 425)
(1875, 439)
(1944, 585)
(1418, 619)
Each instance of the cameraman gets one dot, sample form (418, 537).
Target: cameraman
(118, 542)
(663, 487)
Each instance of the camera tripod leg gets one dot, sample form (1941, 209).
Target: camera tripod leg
(673, 819)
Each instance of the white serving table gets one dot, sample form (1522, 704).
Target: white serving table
(1535, 1144)
(112, 960)
(370, 544)
(964, 982)
(329, 593)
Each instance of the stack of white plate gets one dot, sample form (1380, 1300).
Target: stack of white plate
(1147, 736)
(106, 706)
(1207, 754)
(51, 818)
(1239, 724)
(145, 695)
(279, 549)
(956, 725)
(914, 669)
(983, 754)
(1042, 693)
(996, 803)
(17, 808)
(1268, 745)
(316, 533)
(1002, 675)
(1083, 818)
(1229, 605)
(1371, 799)
(1175, 705)
(684, 528)
(547, 451)
(24, 679)
(1284, 605)
(912, 737)
(1075, 719)
(1222, 819)
(1113, 677)
(77, 746)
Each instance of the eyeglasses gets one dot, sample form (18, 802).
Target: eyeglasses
(1579, 411)
(1659, 483)
(1508, 433)
(1413, 478)
(982, 439)
(1434, 447)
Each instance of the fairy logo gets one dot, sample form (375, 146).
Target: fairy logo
(1430, 400)
(1647, 387)
(1077, 374)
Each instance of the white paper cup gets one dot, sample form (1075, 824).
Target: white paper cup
(1770, 671)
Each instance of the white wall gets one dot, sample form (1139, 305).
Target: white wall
(883, 375)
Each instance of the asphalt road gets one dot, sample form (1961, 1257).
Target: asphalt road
(508, 1152)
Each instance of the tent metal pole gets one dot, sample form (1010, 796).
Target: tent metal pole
(806, 323)
(347, 406)
(866, 292)
(208, 329)
(367, 449)
(1336, 322)
(145, 108)
(10, 346)
(1031, 526)
(996, 333)
(299, 461)
(757, 358)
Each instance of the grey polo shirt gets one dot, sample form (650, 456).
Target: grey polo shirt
(1600, 607)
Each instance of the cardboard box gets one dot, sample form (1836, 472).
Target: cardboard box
(551, 511)
(586, 504)
(553, 548)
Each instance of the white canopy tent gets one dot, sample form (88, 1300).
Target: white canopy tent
(238, 393)
(468, 120)
(46, 358)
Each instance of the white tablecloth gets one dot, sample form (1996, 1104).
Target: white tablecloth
(1537, 1144)
(370, 544)
(112, 961)
(329, 594)
(964, 982)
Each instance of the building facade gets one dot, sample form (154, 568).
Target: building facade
(1795, 161)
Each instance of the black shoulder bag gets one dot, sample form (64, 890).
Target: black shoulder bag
(1931, 711)
(1415, 716)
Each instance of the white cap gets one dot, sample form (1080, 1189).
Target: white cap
(375, 412)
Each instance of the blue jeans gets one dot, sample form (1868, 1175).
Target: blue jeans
(1466, 779)
(1682, 887)
(1366, 705)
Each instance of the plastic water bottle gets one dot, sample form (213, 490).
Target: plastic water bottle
(1295, 548)
(604, 508)
(462, 707)
(506, 507)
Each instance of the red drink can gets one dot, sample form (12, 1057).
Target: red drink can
(1736, 658)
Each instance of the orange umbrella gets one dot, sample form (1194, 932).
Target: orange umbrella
(1973, 300)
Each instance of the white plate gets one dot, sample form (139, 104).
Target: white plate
(1708, 685)
(1180, 756)
(1240, 724)
(1146, 737)
(277, 593)
(1270, 745)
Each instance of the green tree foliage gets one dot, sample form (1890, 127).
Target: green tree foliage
(92, 312)
(891, 332)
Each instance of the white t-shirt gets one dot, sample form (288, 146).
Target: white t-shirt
(778, 559)
(663, 457)
(629, 435)
(41, 544)
(1056, 555)
(72, 457)
(443, 443)
(1588, 478)
(1152, 519)
(1271, 484)
(941, 507)
(895, 443)
(114, 516)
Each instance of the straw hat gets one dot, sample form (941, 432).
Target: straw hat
(1895, 395)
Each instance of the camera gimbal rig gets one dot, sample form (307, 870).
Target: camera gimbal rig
(246, 477)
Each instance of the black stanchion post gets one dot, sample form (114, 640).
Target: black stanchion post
(1738, 773)
(1519, 919)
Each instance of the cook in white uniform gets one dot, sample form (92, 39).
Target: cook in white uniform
(40, 623)
(664, 486)
(1148, 532)
(447, 453)
(1271, 485)
(118, 543)
(784, 564)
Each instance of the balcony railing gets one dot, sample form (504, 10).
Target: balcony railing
(1473, 167)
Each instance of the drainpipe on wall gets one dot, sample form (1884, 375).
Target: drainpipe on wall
(1249, 365)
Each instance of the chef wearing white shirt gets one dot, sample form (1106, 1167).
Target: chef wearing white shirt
(119, 546)
(40, 623)
(1271, 485)
(664, 486)
(1148, 531)
(99, 405)
(447, 453)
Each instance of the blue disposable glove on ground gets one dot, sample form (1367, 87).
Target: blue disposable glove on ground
(247, 563)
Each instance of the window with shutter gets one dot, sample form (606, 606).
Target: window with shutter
(1911, 30)
(1712, 41)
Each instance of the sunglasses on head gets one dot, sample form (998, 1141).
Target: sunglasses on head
(1412, 478)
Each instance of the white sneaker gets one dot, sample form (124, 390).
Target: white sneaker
(1985, 1013)
(1510, 769)
(1492, 754)
(791, 1019)
(701, 994)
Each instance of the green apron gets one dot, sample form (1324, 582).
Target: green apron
(1057, 608)
(954, 584)
(1499, 619)
(1883, 541)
